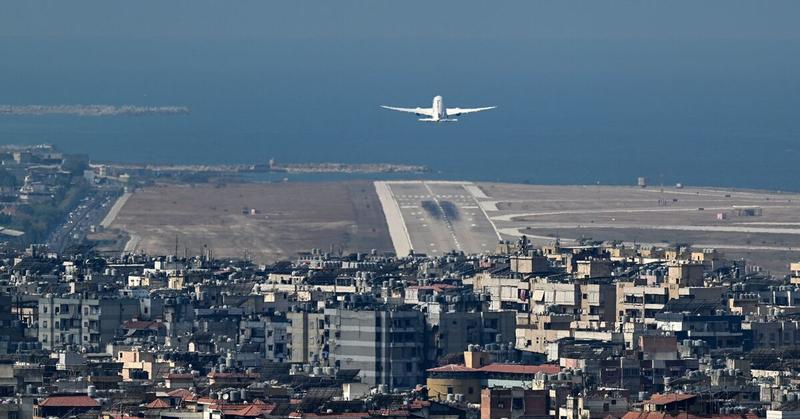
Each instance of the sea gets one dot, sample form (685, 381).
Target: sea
(682, 101)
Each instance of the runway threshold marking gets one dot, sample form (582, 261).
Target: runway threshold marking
(446, 219)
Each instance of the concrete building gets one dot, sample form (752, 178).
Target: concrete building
(773, 333)
(86, 322)
(11, 329)
(640, 303)
(535, 331)
(384, 345)
(593, 268)
(685, 274)
(721, 332)
(513, 403)
(457, 330)
(305, 336)
(598, 303)
(528, 264)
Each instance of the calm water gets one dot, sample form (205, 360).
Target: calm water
(669, 103)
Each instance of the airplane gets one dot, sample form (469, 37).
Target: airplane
(438, 113)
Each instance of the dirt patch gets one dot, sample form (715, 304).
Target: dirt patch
(265, 221)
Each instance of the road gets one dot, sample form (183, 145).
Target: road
(438, 217)
(90, 211)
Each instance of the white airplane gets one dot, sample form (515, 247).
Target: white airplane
(438, 113)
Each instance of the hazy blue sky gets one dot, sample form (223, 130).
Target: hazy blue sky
(703, 92)
(436, 21)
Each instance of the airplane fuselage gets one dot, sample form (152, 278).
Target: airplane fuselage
(439, 111)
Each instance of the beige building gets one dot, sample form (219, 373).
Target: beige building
(141, 364)
(534, 331)
(685, 274)
(593, 268)
(794, 268)
(640, 303)
(528, 264)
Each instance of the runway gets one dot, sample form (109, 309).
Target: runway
(436, 217)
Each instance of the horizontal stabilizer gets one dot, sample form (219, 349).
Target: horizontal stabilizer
(438, 120)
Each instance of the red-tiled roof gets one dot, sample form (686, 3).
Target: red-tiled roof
(181, 392)
(419, 404)
(668, 398)
(140, 325)
(661, 415)
(206, 400)
(69, 401)
(253, 410)
(452, 368)
(236, 409)
(157, 404)
(349, 415)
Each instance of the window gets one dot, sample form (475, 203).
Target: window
(449, 390)
(44, 323)
(517, 403)
(470, 390)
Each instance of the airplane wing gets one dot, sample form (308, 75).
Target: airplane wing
(461, 111)
(418, 111)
